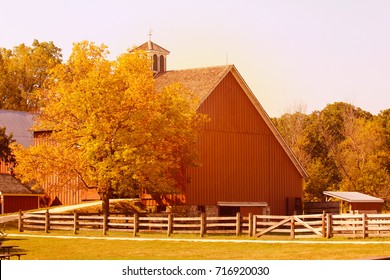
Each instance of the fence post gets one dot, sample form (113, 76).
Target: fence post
(105, 223)
(329, 225)
(323, 224)
(364, 224)
(169, 229)
(292, 234)
(20, 222)
(135, 225)
(47, 221)
(202, 224)
(250, 224)
(254, 225)
(238, 224)
(75, 217)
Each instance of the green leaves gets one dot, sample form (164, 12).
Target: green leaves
(6, 154)
(342, 148)
(23, 71)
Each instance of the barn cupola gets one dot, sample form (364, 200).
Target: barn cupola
(157, 54)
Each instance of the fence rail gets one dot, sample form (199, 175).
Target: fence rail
(297, 226)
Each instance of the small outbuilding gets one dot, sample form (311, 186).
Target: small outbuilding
(14, 196)
(358, 202)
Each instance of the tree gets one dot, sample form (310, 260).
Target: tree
(292, 127)
(6, 154)
(343, 148)
(384, 121)
(23, 71)
(321, 168)
(110, 128)
(362, 158)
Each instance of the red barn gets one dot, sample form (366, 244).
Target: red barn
(246, 164)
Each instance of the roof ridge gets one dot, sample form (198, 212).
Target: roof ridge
(203, 67)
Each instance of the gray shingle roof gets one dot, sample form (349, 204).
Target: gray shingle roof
(10, 185)
(19, 124)
(199, 81)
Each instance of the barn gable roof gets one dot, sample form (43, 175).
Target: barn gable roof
(202, 82)
(199, 81)
(19, 124)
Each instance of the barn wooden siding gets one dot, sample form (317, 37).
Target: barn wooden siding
(366, 206)
(14, 203)
(5, 168)
(73, 194)
(242, 161)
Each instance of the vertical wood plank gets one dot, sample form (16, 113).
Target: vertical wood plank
(292, 234)
(105, 223)
(364, 225)
(20, 221)
(135, 226)
(75, 217)
(169, 228)
(250, 224)
(254, 226)
(329, 225)
(238, 224)
(202, 224)
(323, 224)
(47, 221)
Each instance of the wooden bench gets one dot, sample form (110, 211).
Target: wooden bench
(6, 252)
(6, 249)
(9, 255)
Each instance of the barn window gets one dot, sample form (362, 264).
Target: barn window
(162, 63)
(155, 62)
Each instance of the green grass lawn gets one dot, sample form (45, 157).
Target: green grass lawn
(38, 248)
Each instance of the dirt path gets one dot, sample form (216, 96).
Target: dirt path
(57, 209)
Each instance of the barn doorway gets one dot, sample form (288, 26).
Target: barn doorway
(228, 211)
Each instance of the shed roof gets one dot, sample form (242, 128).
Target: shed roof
(10, 185)
(202, 82)
(354, 197)
(19, 124)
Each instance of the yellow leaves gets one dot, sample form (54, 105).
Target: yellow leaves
(111, 127)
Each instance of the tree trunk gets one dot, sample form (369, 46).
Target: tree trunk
(105, 196)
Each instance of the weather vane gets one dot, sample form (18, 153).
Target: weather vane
(150, 34)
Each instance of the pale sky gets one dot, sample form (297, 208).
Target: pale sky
(290, 52)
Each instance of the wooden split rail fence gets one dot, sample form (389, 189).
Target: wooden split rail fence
(135, 223)
(297, 226)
